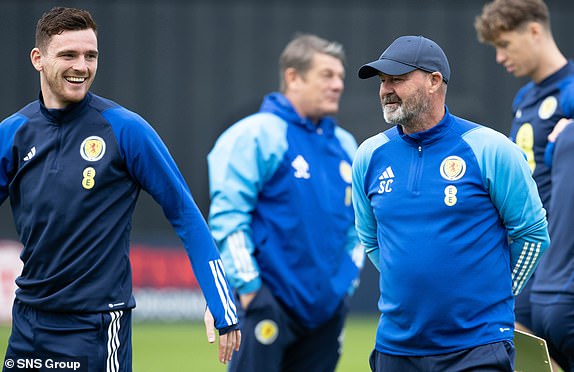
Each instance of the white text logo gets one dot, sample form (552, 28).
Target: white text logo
(386, 179)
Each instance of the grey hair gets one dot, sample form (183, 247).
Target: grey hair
(298, 54)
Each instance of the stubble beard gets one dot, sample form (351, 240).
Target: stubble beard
(408, 111)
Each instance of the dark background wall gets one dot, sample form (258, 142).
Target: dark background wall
(192, 68)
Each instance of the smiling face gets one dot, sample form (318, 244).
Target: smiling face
(403, 97)
(67, 66)
(317, 92)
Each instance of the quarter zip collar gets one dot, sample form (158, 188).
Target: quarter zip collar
(67, 114)
(431, 135)
(276, 103)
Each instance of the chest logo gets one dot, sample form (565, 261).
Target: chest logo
(30, 154)
(301, 167)
(452, 168)
(450, 198)
(93, 148)
(547, 107)
(387, 179)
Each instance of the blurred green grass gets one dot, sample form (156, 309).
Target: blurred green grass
(183, 346)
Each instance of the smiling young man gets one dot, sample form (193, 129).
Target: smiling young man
(281, 213)
(73, 165)
(520, 31)
(438, 214)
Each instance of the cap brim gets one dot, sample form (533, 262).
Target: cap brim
(385, 66)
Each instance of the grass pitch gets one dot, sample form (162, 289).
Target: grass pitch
(184, 347)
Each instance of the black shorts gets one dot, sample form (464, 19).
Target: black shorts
(498, 356)
(99, 342)
(273, 340)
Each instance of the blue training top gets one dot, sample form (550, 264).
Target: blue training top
(434, 211)
(281, 208)
(73, 177)
(536, 109)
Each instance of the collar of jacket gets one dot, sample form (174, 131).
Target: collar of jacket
(276, 103)
(431, 135)
(67, 114)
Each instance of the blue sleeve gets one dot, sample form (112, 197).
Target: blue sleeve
(365, 221)
(567, 96)
(512, 189)
(353, 247)
(242, 160)
(150, 164)
(520, 95)
(8, 129)
(549, 154)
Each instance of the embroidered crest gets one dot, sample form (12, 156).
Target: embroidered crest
(345, 171)
(547, 107)
(93, 148)
(266, 331)
(452, 168)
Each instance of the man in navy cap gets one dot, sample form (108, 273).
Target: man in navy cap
(438, 212)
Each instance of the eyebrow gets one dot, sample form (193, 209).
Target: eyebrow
(73, 51)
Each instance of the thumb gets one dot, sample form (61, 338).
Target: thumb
(209, 326)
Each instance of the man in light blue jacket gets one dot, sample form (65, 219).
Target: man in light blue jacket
(281, 214)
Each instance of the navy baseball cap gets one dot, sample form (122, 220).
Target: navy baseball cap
(408, 53)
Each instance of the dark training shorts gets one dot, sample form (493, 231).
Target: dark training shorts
(41, 340)
(495, 357)
(272, 340)
(555, 323)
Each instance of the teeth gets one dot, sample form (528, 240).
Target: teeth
(75, 79)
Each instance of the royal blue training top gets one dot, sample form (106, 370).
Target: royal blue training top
(281, 208)
(73, 177)
(435, 211)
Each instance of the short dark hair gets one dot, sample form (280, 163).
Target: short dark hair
(509, 15)
(298, 54)
(60, 19)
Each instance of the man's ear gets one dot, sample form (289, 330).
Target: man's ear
(436, 81)
(36, 58)
(290, 76)
(534, 29)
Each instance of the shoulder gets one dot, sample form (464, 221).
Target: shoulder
(261, 127)
(521, 93)
(567, 95)
(490, 145)
(369, 146)
(12, 123)
(483, 136)
(116, 114)
(347, 140)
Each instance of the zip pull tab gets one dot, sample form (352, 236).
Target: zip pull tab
(420, 151)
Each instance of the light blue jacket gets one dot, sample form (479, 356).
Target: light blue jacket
(281, 210)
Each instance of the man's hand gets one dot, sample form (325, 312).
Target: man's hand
(246, 299)
(227, 342)
(558, 128)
